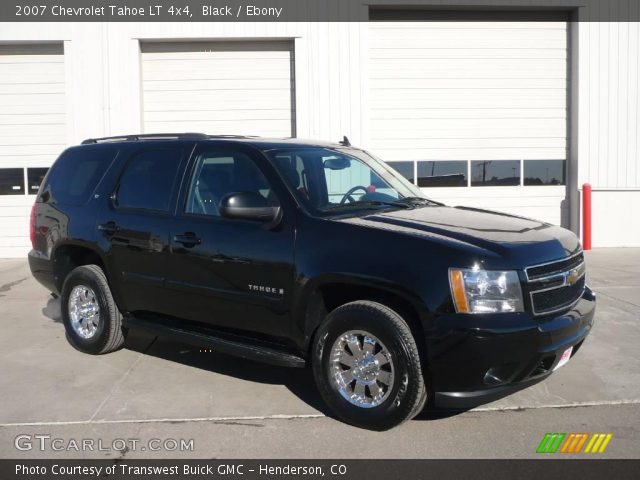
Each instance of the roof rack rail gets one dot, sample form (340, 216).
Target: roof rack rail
(233, 136)
(148, 136)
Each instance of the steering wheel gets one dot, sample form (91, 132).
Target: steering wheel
(347, 196)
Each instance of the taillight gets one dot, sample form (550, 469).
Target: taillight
(32, 226)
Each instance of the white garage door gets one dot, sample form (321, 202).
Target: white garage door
(474, 112)
(32, 133)
(223, 88)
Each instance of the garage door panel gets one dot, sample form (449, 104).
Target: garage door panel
(470, 30)
(30, 160)
(409, 114)
(201, 55)
(32, 127)
(403, 152)
(438, 42)
(17, 226)
(468, 83)
(213, 115)
(21, 126)
(46, 139)
(31, 149)
(460, 71)
(239, 47)
(469, 53)
(213, 61)
(248, 126)
(18, 210)
(34, 108)
(31, 88)
(14, 244)
(481, 100)
(32, 119)
(410, 66)
(470, 95)
(26, 100)
(218, 87)
(222, 99)
(234, 84)
(238, 72)
(469, 128)
(468, 90)
(477, 142)
(30, 74)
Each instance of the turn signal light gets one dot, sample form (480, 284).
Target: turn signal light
(457, 291)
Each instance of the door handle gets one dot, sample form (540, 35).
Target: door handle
(187, 239)
(109, 228)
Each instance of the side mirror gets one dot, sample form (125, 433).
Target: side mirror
(248, 206)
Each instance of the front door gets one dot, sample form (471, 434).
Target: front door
(230, 273)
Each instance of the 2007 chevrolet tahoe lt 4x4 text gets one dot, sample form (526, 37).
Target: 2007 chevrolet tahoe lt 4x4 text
(295, 252)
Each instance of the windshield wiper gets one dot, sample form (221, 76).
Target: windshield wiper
(418, 201)
(371, 203)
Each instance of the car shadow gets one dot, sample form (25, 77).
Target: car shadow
(52, 309)
(299, 381)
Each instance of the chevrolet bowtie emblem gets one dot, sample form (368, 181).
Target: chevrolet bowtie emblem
(572, 276)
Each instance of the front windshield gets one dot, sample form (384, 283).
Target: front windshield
(335, 179)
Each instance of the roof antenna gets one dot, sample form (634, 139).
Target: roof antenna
(345, 142)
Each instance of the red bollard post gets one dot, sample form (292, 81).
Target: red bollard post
(586, 216)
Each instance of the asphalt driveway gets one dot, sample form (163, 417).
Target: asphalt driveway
(155, 387)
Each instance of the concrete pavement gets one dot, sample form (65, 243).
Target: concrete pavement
(238, 408)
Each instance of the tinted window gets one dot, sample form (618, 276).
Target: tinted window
(219, 173)
(544, 172)
(328, 179)
(148, 179)
(495, 173)
(442, 174)
(35, 176)
(75, 175)
(11, 181)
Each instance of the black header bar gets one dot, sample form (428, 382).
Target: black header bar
(316, 10)
(123, 469)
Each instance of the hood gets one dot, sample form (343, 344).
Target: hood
(521, 240)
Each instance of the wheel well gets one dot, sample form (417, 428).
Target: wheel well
(68, 257)
(328, 297)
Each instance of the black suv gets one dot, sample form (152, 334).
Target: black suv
(295, 252)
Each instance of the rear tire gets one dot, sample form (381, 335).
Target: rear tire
(91, 318)
(380, 384)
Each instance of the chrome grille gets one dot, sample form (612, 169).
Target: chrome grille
(546, 269)
(555, 286)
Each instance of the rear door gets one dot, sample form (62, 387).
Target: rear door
(135, 223)
(228, 272)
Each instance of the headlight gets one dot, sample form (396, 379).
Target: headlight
(485, 291)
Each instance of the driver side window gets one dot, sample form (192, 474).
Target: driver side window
(219, 173)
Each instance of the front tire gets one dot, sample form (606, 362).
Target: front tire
(367, 366)
(91, 318)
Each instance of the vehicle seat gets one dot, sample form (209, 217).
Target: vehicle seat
(214, 183)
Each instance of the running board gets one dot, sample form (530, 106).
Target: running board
(223, 345)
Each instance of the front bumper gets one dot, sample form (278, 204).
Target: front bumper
(475, 359)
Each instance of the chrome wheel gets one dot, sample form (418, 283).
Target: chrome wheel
(361, 369)
(84, 311)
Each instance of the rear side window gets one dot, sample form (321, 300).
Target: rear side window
(148, 179)
(75, 175)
